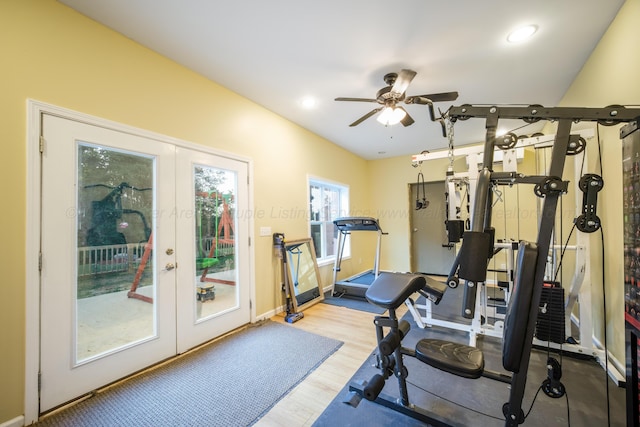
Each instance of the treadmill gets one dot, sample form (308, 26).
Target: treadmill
(355, 286)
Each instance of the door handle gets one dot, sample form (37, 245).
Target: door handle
(169, 266)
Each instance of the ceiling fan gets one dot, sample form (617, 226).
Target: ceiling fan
(389, 96)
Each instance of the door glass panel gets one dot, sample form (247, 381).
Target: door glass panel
(215, 224)
(115, 280)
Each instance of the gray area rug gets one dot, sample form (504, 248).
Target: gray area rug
(231, 382)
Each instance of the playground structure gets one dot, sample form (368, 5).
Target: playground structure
(107, 250)
(219, 248)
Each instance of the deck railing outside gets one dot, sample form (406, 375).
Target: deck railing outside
(109, 258)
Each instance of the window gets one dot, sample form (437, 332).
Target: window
(327, 201)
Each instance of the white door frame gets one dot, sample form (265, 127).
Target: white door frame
(35, 109)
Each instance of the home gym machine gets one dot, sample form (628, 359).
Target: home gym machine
(355, 286)
(490, 305)
(390, 290)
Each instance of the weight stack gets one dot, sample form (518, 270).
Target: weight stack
(550, 324)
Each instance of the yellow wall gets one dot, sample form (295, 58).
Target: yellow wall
(52, 54)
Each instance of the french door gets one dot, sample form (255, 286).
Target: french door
(212, 247)
(143, 254)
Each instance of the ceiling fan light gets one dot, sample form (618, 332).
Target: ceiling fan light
(398, 114)
(391, 116)
(385, 116)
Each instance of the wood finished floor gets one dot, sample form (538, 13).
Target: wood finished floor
(304, 404)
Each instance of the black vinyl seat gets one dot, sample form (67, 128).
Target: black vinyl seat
(390, 290)
(458, 359)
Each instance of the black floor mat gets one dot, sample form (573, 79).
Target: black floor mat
(353, 303)
(479, 402)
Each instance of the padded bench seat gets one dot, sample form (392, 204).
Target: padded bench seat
(390, 290)
(458, 359)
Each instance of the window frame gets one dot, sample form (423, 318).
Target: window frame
(342, 211)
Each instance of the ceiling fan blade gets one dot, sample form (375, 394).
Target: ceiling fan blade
(365, 117)
(357, 99)
(407, 120)
(439, 97)
(402, 82)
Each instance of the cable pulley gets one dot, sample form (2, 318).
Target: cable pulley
(534, 110)
(613, 114)
(591, 181)
(577, 144)
(463, 108)
(590, 184)
(552, 386)
(507, 141)
(549, 185)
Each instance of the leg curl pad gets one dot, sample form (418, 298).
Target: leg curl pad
(390, 290)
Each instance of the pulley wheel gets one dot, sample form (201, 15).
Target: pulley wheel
(464, 117)
(554, 392)
(520, 416)
(590, 179)
(608, 122)
(532, 108)
(507, 141)
(576, 146)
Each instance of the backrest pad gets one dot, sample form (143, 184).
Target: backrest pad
(517, 317)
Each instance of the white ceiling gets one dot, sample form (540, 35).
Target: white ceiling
(277, 52)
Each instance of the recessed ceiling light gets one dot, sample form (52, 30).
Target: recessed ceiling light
(308, 102)
(522, 33)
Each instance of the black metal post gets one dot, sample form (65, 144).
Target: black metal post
(513, 409)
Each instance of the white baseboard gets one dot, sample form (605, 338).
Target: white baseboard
(278, 310)
(16, 422)
(617, 370)
(267, 315)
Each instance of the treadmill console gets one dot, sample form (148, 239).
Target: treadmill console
(357, 224)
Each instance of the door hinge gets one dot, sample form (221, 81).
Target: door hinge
(39, 381)
(249, 241)
(250, 304)
(41, 144)
(40, 261)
